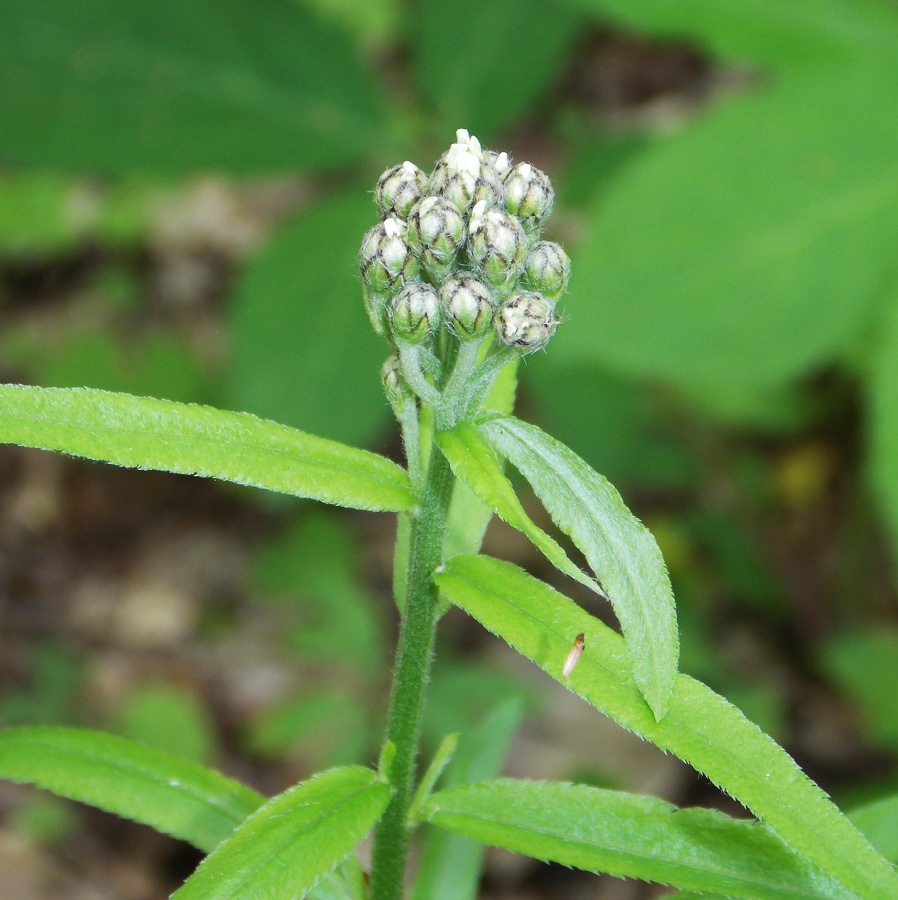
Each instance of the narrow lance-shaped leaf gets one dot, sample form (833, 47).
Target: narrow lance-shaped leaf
(631, 835)
(282, 850)
(198, 440)
(700, 727)
(476, 465)
(621, 551)
(172, 795)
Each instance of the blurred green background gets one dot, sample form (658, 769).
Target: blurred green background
(183, 189)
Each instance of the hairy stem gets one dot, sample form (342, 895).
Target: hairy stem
(410, 677)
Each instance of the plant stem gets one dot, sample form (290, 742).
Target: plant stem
(410, 677)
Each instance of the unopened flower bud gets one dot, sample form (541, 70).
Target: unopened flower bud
(385, 258)
(436, 230)
(526, 321)
(529, 196)
(415, 313)
(395, 387)
(467, 306)
(497, 244)
(464, 176)
(399, 189)
(547, 269)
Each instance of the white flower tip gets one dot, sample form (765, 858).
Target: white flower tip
(477, 215)
(525, 169)
(462, 136)
(502, 163)
(392, 227)
(410, 167)
(474, 145)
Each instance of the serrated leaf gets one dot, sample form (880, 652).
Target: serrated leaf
(517, 47)
(700, 727)
(619, 549)
(750, 247)
(450, 863)
(283, 850)
(477, 466)
(468, 518)
(144, 433)
(303, 349)
(631, 835)
(781, 33)
(172, 795)
(112, 87)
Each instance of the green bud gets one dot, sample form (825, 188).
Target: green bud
(395, 387)
(497, 244)
(376, 305)
(467, 306)
(465, 174)
(415, 313)
(526, 321)
(529, 196)
(548, 269)
(398, 189)
(436, 231)
(385, 258)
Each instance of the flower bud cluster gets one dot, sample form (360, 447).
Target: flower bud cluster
(461, 248)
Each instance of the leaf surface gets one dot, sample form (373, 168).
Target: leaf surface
(295, 839)
(477, 466)
(172, 795)
(108, 87)
(700, 727)
(631, 835)
(750, 247)
(619, 549)
(144, 433)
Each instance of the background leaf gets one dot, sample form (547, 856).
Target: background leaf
(450, 863)
(630, 835)
(700, 726)
(170, 794)
(483, 64)
(199, 440)
(780, 33)
(303, 350)
(752, 246)
(112, 87)
(620, 550)
(290, 843)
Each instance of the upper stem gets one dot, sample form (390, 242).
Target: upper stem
(410, 677)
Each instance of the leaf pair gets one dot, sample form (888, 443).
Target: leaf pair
(700, 727)
(282, 848)
(621, 552)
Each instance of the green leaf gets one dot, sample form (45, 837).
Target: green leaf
(620, 550)
(450, 863)
(882, 423)
(482, 65)
(145, 433)
(282, 850)
(879, 822)
(864, 663)
(303, 349)
(700, 727)
(468, 518)
(476, 465)
(112, 87)
(173, 795)
(630, 835)
(752, 246)
(781, 33)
